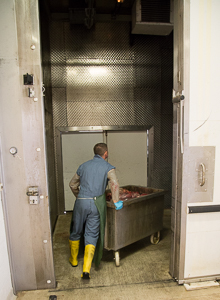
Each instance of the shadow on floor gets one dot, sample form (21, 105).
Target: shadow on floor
(140, 262)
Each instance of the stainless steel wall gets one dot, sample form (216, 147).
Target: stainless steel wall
(105, 76)
(22, 126)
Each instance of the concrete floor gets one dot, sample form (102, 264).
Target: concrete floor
(143, 272)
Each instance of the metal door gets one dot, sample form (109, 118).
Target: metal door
(178, 86)
(76, 149)
(23, 147)
(195, 201)
(128, 153)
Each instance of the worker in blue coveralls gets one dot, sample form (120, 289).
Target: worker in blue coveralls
(89, 213)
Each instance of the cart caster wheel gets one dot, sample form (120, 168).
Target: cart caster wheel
(117, 259)
(155, 238)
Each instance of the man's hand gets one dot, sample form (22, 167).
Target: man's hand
(118, 205)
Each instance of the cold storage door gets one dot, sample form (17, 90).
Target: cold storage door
(128, 153)
(76, 149)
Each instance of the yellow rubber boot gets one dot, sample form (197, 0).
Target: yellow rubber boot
(88, 257)
(74, 250)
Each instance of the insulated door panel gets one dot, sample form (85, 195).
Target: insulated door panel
(76, 149)
(128, 153)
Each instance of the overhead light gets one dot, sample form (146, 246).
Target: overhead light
(97, 71)
(71, 71)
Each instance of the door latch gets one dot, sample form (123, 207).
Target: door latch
(33, 195)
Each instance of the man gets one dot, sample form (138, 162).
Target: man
(89, 213)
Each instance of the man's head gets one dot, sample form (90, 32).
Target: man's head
(101, 149)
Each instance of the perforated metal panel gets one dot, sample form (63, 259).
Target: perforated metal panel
(58, 55)
(166, 117)
(155, 11)
(104, 77)
(59, 107)
(105, 41)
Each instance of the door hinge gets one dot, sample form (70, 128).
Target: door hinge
(177, 97)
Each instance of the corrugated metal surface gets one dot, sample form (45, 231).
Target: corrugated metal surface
(103, 76)
(155, 11)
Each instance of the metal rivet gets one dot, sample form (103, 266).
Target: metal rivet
(35, 99)
(45, 241)
(48, 281)
(41, 197)
(38, 149)
(33, 47)
(13, 150)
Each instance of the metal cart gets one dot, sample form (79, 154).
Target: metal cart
(139, 218)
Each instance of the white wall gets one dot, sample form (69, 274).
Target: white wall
(204, 105)
(5, 277)
(203, 230)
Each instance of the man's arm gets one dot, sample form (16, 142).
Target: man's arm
(114, 185)
(74, 184)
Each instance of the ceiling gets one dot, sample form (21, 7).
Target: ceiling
(156, 13)
(101, 6)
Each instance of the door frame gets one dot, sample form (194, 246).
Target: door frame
(69, 130)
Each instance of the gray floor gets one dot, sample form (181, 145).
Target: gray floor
(143, 272)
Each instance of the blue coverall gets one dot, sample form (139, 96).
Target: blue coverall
(93, 181)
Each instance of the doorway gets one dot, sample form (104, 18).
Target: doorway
(128, 151)
(125, 145)
(107, 77)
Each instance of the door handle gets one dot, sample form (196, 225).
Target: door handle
(181, 125)
(203, 174)
(179, 99)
